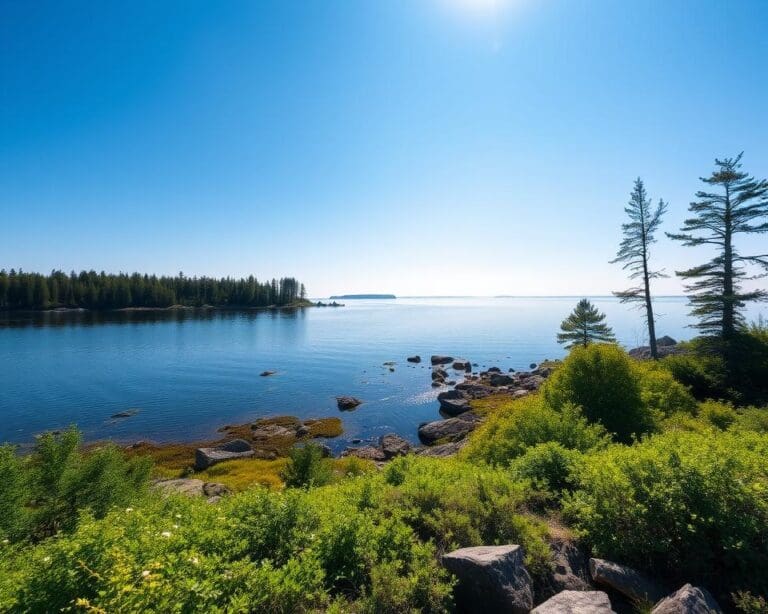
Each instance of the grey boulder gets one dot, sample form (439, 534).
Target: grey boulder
(490, 579)
(625, 580)
(347, 403)
(576, 602)
(688, 600)
(454, 407)
(237, 448)
(451, 429)
(414, 359)
(441, 360)
(393, 445)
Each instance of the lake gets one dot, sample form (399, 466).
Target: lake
(189, 373)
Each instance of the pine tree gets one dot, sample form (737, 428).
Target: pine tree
(585, 325)
(739, 207)
(634, 252)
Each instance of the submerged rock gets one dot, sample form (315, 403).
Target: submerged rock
(490, 579)
(125, 414)
(576, 602)
(416, 358)
(267, 373)
(347, 403)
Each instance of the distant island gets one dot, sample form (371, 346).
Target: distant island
(356, 296)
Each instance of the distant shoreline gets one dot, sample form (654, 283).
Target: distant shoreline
(294, 305)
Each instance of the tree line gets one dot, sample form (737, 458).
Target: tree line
(733, 203)
(92, 290)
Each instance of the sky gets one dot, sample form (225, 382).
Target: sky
(420, 147)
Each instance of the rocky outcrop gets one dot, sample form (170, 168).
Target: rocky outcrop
(501, 379)
(490, 579)
(576, 602)
(569, 570)
(459, 364)
(454, 407)
(348, 403)
(190, 487)
(439, 374)
(393, 445)
(443, 450)
(451, 429)
(625, 580)
(367, 452)
(441, 360)
(688, 600)
(414, 359)
(665, 341)
(230, 450)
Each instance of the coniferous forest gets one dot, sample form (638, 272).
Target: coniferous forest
(92, 290)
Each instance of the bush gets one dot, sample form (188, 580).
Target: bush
(689, 506)
(510, 431)
(14, 515)
(718, 414)
(548, 466)
(307, 467)
(661, 392)
(603, 381)
(702, 372)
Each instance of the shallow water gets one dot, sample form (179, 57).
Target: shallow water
(188, 373)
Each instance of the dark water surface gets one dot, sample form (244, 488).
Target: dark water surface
(188, 373)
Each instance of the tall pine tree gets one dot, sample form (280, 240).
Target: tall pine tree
(585, 325)
(738, 206)
(634, 253)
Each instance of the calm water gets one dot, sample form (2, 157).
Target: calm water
(190, 373)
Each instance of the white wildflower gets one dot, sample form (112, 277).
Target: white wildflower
(165, 534)
(145, 573)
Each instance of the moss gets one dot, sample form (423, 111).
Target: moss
(241, 474)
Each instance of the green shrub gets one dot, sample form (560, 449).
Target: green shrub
(549, 466)
(752, 419)
(687, 506)
(602, 380)
(661, 392)
(14, 495)
(509, 432)
(703, 373)
(307, 467)
(718, 414)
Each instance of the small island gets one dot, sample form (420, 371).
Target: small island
(363, 296)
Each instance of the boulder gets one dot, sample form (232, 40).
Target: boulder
(462, 365)
(237, 448)
(261, 432)
(576, 602)
(630, 583)
(303, 431)
(688, 600)
(665, 341)
(494, 370)
(347, 403)
(533, 382)
(192, 487)
(451, 429)
(532, 365)
(414, 358)
(125, 414)
(366, 452)
(569, 570)
(437, 383)
(441, 360)
(501, 379)
(267, 373)
(439, 374)
(393, 445)
(454, 407)
(490, 579)
(451, 394)
(443, 450)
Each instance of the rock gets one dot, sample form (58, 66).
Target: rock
(263, 454)
(576, 602)
(519, 394)
(494, 370)
(533, 382)
(267, 431)
(490, 579)
(544, 372)
(532, 365)
(393, 445)
(450, 429)
(475, 391)
(666, 341)
(192, 487)
(625, 580)
(644, 352)
(443, 450)
(437, 383)
(347, 403)
(500, 379)
(214, 489)
(125, 414)
(454, 407)
(688, 600)
(439, 373)
(237, 448)
(416, 358)
(441, 360)
(366, 452)
(569, 571)
(267, 373)
(325, 450)
(303, 431)
(462, 365)
(451, 394)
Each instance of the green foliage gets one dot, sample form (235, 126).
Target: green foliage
(718, 414)
(583, 326)
(46, 492)
(687, 506)
(604, 381)
(702, 372)
(549, 466)
(367, 544)
(661, 392)
(508, 433)
(307, 467)
(748, 603)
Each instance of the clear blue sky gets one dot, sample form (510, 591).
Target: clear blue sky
(409, 146)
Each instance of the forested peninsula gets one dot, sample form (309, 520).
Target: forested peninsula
(20, 290)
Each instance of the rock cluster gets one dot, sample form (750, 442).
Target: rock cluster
(191, 487)
(390, 446)
(494, 579)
